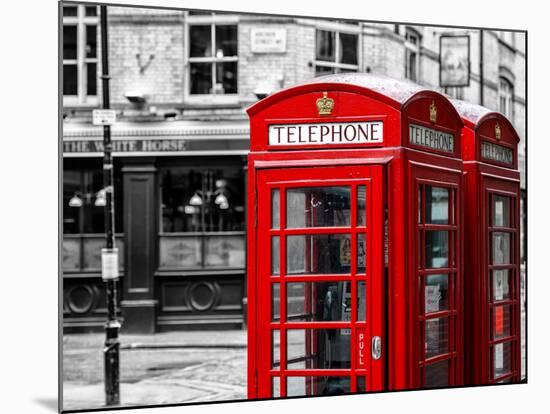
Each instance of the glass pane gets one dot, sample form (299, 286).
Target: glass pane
(436, 337)
(437, 249)
(348, 48)
(180, 252)
(71, 254)
(91, 41)
(501, 321)
(226, 41)
(361, 253)
(420, 204)
(71, 215)
(501, 284)
(318, 349)
(361, 384)
(437, 205)
(276, 348)
(436, 293)
(91, 75)
(318, 301)
(501, 211)
(201, 41)
(69, 11)
(318, 254)
(361, 301)
(92, 253)
(178, 190)
(69, 42)
(325, 42)
(318, 207)
(275, 209)
(361, 205)
(275, 387)
(276, 301)
(226, 78)
(323, 70)
(304, 386)
(501, 248)
(275, 255)
(224, 251)
(436, 375)
(201, 78)
(91, 11)
(502, 355)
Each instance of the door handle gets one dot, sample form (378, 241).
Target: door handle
(376, 347)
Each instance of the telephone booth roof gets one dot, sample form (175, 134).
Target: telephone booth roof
(400, 105)
(493, 138)
(475, 115)
(395, 92)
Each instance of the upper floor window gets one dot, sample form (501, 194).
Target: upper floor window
(412, 53)
(80, 54)
(336, 52)
(213, 54)
(506, 98)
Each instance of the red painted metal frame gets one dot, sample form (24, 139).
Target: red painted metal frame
(483, 179)
(402, 166)
(282, 179)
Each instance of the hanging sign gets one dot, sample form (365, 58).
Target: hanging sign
(347, 133)
(431, 138)
(454, 65)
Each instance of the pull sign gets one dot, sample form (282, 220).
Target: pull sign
(109, 264)
(362, 352)
(376, 347)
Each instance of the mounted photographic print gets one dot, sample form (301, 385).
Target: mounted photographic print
(272, 206)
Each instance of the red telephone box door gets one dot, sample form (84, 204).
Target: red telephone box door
(320, 286)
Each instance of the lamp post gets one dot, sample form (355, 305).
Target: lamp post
(109, 255)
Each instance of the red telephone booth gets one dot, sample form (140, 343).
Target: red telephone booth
(492, 271)
(354, 239)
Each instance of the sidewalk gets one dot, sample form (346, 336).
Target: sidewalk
(196, 366)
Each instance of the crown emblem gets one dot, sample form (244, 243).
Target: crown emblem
(497, 131)
(325, 105)
(433, 112)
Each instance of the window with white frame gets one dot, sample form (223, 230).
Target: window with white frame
(80, 54)
(412, 54)
(336, 52)
(212, 54)
(506, 98)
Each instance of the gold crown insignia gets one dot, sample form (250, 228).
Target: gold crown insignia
(497, 131)
(325, 105)
(433, 112)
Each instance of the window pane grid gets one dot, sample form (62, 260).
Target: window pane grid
(80, 52)
(303, 309)
(213, 59)
(437, 232)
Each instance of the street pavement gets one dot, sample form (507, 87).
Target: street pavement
(164, 368)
